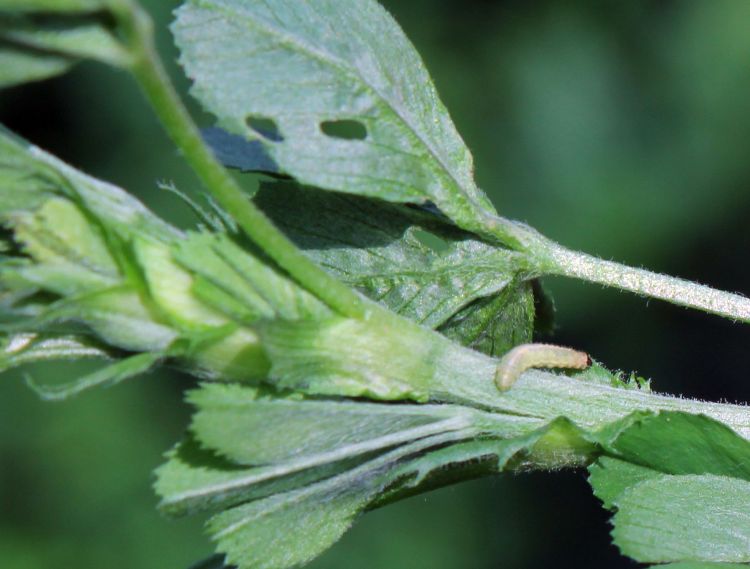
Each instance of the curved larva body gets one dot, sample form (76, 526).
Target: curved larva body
(527, 356)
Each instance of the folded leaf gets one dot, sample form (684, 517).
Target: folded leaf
(472, 292)
(30, 176)
(195, 479)
(495, 324)
(78, 37)
(111, 374)
(305, 442)
(260, 291)
(18, 65)
(383, 358)
(293, 527)
(21, 349)
(252, 430)
(86, 254)
(680, 443)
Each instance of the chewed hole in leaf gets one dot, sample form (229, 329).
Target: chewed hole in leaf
(344, 129)
(430, 240)
(265, 127)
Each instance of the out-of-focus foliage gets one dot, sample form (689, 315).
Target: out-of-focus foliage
(630, 114)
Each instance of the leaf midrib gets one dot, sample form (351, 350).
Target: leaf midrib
(457, 423)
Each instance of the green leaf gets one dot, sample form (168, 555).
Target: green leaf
(691, 518)
(354, 112)
(495, 324)
(646, 445)
(109, 375)
(468, 290)
(680, 443)
(287, 530)
(70, 253)
(41, 39)
(52, 6)
(30, 176)
(229, 272)
(610, 477)
(292, 528)
(172, 287)
(25, 348)
(117, 316)
(678, 485)
(195, 479)
(18, 66)
(306, 440)
(699, 565)
(247, 425)
(384, 358)
(254, 430)
(86, 252)
(74, 36)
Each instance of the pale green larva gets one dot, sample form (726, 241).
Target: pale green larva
(527, 356)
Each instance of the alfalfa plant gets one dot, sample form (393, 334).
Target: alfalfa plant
(313, 307)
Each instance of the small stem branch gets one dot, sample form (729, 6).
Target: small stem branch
(147, 69)
(513, 234)
(569, 263)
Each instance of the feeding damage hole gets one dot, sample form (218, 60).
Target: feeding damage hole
(344, 129)
(265, 127)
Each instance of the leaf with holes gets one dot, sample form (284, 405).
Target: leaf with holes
(336, 93)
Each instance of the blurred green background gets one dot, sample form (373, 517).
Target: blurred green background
(619, 128)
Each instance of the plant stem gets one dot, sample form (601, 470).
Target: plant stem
(149, 72)
(550, 258)
(569, 263)
(547, 395)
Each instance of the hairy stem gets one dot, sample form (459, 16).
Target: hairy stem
(149, 72)
(591, 404)
(551, 258)
(677, 291)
